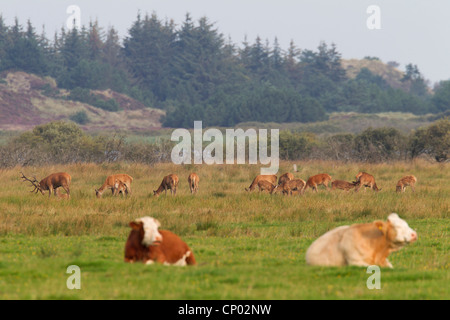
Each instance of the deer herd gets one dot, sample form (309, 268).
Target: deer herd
(361, 244)
(287, 184)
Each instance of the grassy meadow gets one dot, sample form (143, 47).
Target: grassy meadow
(247, 245)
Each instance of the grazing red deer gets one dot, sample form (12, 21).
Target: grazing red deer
(148, 244)
(406, 181)
(51, 183)
(264, 185)
(361, 244)
(272, 178)
(319, 179)
(285, 177)
(193, 181)
(168, 182)
(341, 184)
(120, 188)
(287, 187)
(366, 180)
(110, 183)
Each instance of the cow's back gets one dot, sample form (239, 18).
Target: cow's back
(174, 249)
(326, 251)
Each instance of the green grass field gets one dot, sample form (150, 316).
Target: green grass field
(248, 246)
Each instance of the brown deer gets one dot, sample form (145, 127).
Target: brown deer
(110, 183)
(285, 177)
(272, 178)
(120, 188)
(61, 196)
(287, 187)
(406, 181)
(193, 181)
(366, 180)
(319, 179)
(51, 183)
(168, 182)
(343, 185)
(265, 185)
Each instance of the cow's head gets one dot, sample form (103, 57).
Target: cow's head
(404, 234)
(148, 231)
(397, 231)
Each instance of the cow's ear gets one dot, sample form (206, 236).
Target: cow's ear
(381, 226)
(135, 225)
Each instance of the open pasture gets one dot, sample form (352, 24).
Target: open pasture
(247, 245)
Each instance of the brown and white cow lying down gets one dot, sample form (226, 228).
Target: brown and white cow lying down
(361, 244)
(148, 244)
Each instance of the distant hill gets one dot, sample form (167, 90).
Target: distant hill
(27, 100)
(391, 74)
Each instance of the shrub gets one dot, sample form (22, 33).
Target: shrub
(80, 117)
(85, 96)
(433, 141)
(378, 145)
(56, 142)
(296, 146)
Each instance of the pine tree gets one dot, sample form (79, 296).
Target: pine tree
(291, 64)
(3, 42)
(147, 51)
(111, 50)
(22, 50)
(415, 80)
(95, 41)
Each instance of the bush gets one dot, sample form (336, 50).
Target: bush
(378, 145)
(64, 143)
(340, 147)
(80, 117)
(54, 143)
(85, 96)
(296, 146)
(108, 105)
(433, 141)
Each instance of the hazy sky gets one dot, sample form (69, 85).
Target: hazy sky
(412, 31)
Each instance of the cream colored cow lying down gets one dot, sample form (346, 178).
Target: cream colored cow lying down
(361, 244)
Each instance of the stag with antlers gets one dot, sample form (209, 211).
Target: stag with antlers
(51, 183)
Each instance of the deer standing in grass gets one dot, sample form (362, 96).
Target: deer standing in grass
(110, 183)
(406, 181)
(272, 178)
(285, 177)
(366, 180)
(120, 188)
(193, 181)
(51, 183)
(319, 179)
(168, 182)
(265, 185)
(287, 187)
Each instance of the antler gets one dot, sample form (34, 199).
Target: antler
(34, 182)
